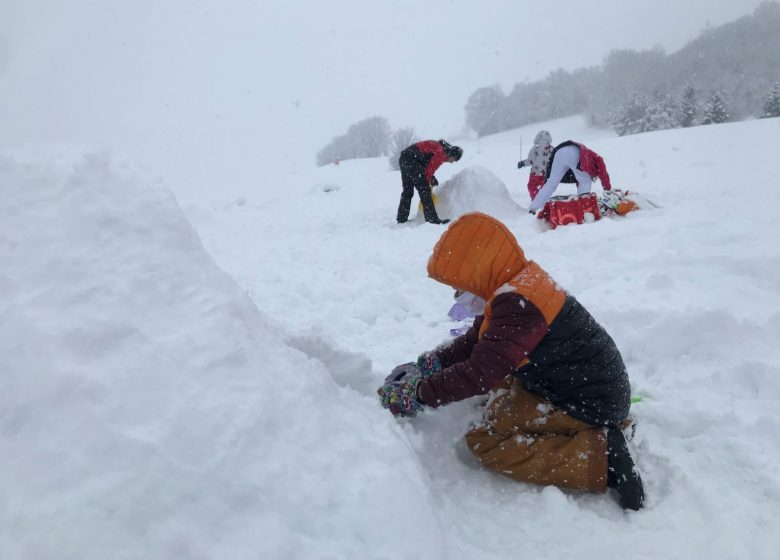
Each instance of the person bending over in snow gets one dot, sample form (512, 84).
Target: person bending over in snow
(571, 162)
(537, 159)
(561, 421)
(418, 163)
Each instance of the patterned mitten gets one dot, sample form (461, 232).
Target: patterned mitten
(428, 363)
(400, 397)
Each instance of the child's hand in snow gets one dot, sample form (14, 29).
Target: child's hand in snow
(400, 397)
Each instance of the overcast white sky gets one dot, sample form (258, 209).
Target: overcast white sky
(272, 81)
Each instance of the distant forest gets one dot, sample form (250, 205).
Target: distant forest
(730, 72)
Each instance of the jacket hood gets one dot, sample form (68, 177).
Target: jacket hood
(543, 137)
(477, 254)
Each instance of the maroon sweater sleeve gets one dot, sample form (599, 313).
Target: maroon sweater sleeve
(515, 329)
(460, 348)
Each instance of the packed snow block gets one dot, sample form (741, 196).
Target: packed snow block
(561, 211)
(475, 189)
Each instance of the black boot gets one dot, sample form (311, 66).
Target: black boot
(621, 471)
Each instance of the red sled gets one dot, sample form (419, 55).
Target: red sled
(561, 211)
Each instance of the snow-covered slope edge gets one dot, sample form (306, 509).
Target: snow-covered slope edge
(149, 410)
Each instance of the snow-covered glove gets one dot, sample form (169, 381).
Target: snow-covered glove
(400, 397)
(403, 371)
(434, 181)
(520, 164)
(429, 363)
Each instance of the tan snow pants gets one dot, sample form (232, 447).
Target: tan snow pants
(526, 438)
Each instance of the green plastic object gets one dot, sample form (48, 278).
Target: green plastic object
(636, 400)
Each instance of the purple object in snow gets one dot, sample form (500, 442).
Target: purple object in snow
(459, 312)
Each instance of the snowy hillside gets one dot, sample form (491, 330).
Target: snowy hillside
(198, 382)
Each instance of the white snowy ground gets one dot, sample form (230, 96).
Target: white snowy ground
(170, 391)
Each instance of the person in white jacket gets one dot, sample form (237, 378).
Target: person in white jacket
(571, 162)
(537, 159)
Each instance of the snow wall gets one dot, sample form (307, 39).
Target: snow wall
(149, 410)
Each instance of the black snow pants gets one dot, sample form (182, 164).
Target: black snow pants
(413, 166)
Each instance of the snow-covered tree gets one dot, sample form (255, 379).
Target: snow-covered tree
(371, 137)
(631, 117)
(772, 103)
(715, 111)
(338, 148)
(626, 73)
(484, 109)
(688, 107)
(367, 138)
(400, 139)
(661, 114)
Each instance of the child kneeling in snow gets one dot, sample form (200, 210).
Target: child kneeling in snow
(560, 424)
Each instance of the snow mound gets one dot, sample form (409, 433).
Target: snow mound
(149, 410)
(475, 189)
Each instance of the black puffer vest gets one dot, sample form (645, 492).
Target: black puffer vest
(578, 368)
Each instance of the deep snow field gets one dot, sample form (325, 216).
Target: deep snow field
(195, 379)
